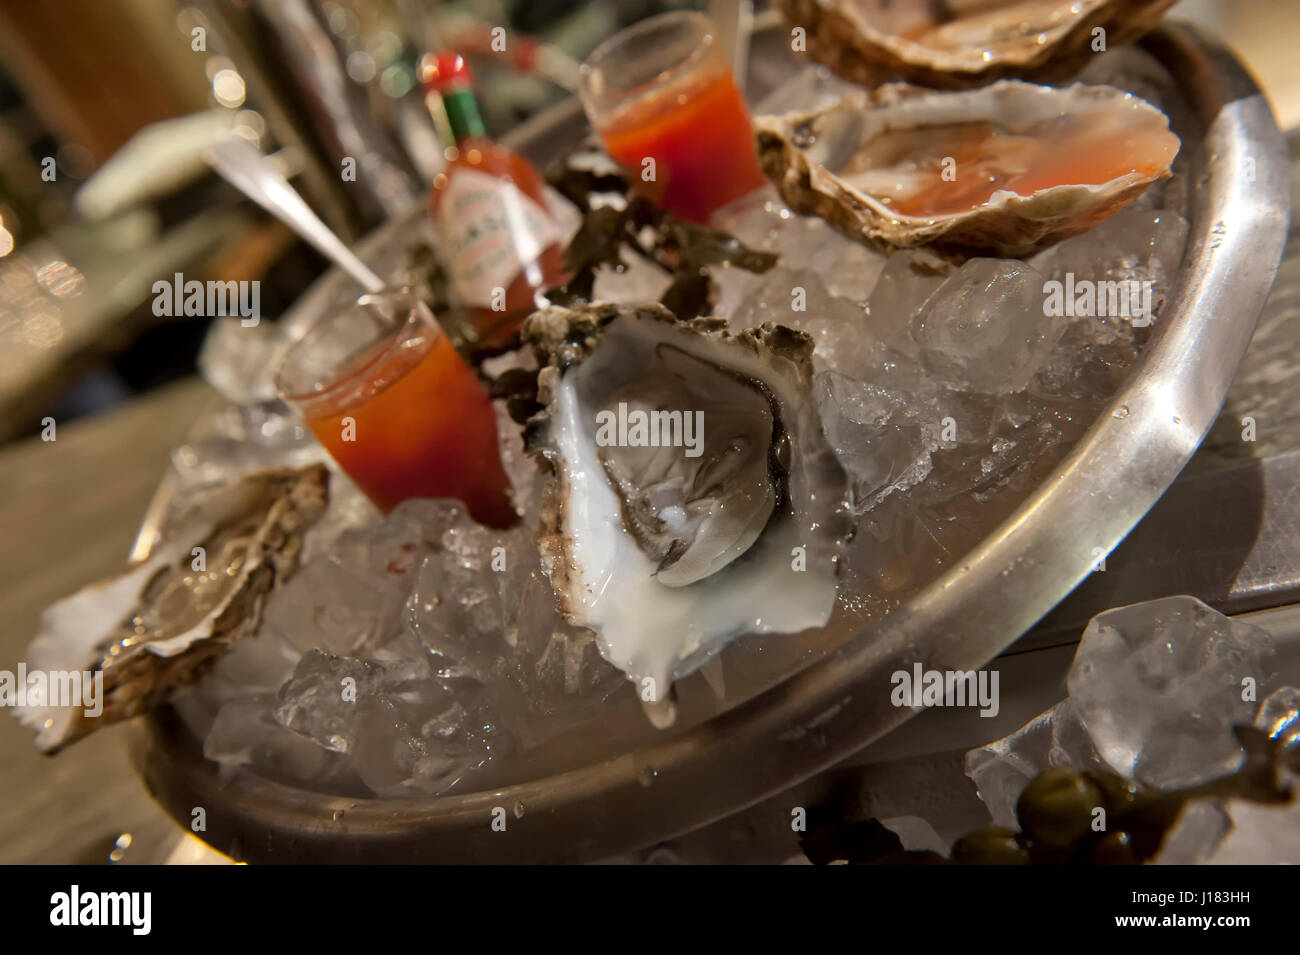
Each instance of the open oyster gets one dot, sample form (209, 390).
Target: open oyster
(956, 44)
(999, 170)
(152, 627)
(693, 497)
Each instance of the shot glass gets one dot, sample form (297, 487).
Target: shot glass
(662, 98)
(384, 390)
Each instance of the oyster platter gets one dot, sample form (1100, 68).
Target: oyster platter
(647, 548)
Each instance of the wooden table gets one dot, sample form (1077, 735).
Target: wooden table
(69, 511)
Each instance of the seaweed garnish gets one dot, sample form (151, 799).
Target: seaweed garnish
(627, 222)
(518, 388)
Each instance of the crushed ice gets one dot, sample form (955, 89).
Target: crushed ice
(943, 387)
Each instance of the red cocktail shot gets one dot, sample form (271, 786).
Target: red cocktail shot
(399, 410)
(663, 99)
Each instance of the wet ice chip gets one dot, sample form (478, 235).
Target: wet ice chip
(1160, 684)
(984, 327)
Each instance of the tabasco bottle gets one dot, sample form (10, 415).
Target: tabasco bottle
(498, 241)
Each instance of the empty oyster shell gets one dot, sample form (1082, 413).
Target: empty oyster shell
(152, 627)
(669, 548)
(1003, 169)
(958, 44)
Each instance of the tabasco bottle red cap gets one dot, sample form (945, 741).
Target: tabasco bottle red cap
(448, 70)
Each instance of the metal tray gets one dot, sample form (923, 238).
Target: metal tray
(962, 620)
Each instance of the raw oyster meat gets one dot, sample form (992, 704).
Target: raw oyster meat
(154, 626)
(670, 548)
(957, 44)
(1004, 169)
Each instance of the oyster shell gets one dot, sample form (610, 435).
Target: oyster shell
(670, 549)
(1003, 169)
(155, 625)
(957, 44)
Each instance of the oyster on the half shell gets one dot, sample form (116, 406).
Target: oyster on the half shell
(999, 170)
(692, 495)
(957, 44)
(154, 626)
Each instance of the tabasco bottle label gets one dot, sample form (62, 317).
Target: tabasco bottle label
(489, 231)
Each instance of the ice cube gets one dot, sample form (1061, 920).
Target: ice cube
(1260, 835)
(256, 665)
(978, 464)
(261, 437)
(849, 269)
(984, 329)
(257, 430)
(553, 668)
(349, 510)
(1094, 353)
(1002, 768)
(916, 834)
(481, 607)
(246, 734)
(906, 283)
(639, 280)
(799, 299)
(879, 438)
(465, 594)
(1154, 693)
(808, 244)
(239, 360)
(403, 728)
(967, 417)
(351, 599)
(755, 218)
(1194, 837)
(1159, 685)
(804, 244)
(1133, 244)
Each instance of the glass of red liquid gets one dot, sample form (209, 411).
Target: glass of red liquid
(390, 398)
(662, 97)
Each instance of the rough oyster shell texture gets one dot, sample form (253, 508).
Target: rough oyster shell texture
(860, 162)
(667, 556)
(958, 44)
(154, 626)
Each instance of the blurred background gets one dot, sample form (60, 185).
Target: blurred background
(106, 108)
(107, 105)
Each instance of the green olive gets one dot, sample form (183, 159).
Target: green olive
(992, 845)
(1114, 848)
(1057, 806)
(1118, 794)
